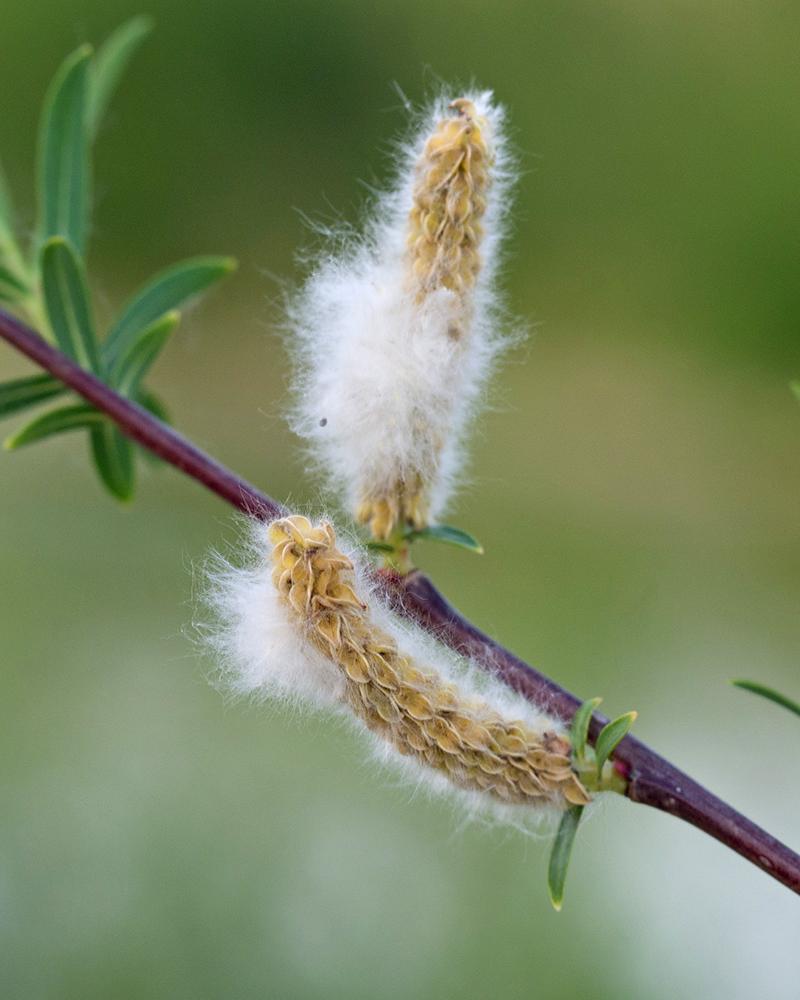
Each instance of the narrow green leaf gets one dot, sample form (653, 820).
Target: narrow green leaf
(113, 456)
(25, 392)
(154, 404)
(446, 533)
(63, 168)
(580, 725)
(140, 356)
(12, 288)
(770, 693)
(560, 853)
(109, 65)
(6, 211)
(380, 547)
(67, 302)
(68, 418)
(11, 260)
(609, 737)
(12, 282)
(167, 290)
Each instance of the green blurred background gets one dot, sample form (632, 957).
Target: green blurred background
(636, 490)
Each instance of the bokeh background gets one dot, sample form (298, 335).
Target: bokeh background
(636, 489)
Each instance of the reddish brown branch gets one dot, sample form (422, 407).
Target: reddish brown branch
(652, 780)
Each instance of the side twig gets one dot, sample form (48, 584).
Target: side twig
(652, 780)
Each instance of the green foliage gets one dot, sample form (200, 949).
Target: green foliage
(114, 459)
(384, 547)
(12, 287)
(153, 404)
(590, 765)
(394, 552)
(6, 212)
(170, 289)
(580, 725)
(143, 352)
(561, 853)
(66, 300)
(770, 693)
(68, 418)
(64, 164)
(50, 288)
(109, 65)
(14, 281)
(25, 392)
(446, 533)
(609, 737)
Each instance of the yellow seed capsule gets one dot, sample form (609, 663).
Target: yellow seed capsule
(418, 712)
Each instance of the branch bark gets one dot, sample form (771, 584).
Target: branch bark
(651, 779)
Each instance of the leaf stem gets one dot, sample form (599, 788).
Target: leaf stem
(651, 779)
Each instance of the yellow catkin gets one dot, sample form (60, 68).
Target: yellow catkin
(414, 709)
(444, 227)
(442, 246)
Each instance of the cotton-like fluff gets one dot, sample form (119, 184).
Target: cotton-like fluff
(397, 333)
(302, 624)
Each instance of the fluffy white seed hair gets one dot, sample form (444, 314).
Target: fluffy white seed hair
(381, 381)
(263, 656)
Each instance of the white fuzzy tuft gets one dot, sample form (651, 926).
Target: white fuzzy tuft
(260, 653)
(263, 656)
(381, 382)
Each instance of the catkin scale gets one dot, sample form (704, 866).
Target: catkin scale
(420, 714)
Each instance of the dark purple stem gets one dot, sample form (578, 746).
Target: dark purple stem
(652, 780)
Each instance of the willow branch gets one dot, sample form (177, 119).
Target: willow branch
(651, 779)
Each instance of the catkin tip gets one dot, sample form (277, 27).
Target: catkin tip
(444, 224)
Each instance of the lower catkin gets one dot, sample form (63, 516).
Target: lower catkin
(421, 715)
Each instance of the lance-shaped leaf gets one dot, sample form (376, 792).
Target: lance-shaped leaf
(13, 272)
(169, 289)
(379, 546)
(64, 169)
(154, 404)
(6, 212)
(140, 356)
(609, 737)
(68, 418)
(12, 287)
(770, 693)
(114, 457)
(446, 533)
(560, 853)
(109, 65)
(25, 392)
(580, 725)
(67, 302)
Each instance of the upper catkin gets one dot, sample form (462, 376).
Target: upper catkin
(397, 333)
(300, 624)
